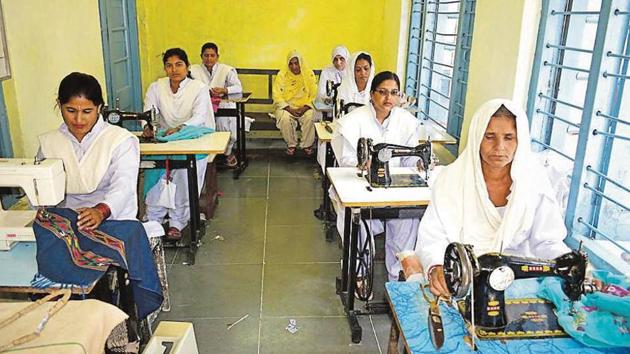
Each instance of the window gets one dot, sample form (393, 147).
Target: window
(579, 108)
(5, 69)
(440, 35)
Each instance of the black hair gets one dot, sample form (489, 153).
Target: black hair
(365, 57)
(383, 76)
(80, 85)
(210, 45)
(504, 112)
(178, 52)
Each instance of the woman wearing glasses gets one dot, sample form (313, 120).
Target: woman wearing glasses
(382, 121)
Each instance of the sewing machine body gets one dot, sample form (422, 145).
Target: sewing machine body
(491, 274)
(43, 182)
(375, 160)
(116, 117)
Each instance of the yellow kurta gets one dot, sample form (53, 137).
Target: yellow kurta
(294, 90)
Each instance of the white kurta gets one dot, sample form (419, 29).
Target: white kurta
(223, 76)
(191, 104)
(460, 210)
(118, 187)
(348, 91)
(399, 128)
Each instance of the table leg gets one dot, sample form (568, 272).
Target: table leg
(326, 203)
(355, 327)
(394, 334)
(241, 149)
(193, 200)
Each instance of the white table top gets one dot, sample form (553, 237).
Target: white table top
(322, 133)
(352, 190)
(437, 135)
(322, 107)
(213, 143)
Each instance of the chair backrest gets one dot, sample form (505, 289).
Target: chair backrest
(270, 73)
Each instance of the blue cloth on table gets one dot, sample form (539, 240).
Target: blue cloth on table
(152, 176)
(78, 257)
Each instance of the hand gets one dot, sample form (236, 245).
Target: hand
(147, 132)
(434, 162)
(174, 130)
(292, 112)
(218, 91)
(437, 284)
(89, 218)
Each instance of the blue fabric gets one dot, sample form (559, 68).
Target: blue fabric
(55, 263)
(152, 176)
(598, 320)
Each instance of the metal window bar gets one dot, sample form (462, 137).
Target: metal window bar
(618, 120)
(556, 100)
(432, 119)
(559, 66)
(616, 136)
(601, 233)
(621, 13)
(601, 194)
(607, 74)
(437, 72)
(436, 91)
(589, 168)
(443, 34)
(557, 118)
(615, 55)
(434, 101)
(444, 2)
(438, 63)
(571, 13)
(441, 43)
(547, 146)
(564, 47)
(444, 12)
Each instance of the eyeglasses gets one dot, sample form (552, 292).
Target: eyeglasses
(386, 92)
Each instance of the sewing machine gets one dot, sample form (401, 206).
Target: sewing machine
(374, 161)
(43, 182)
(117, 117)
(489, 275)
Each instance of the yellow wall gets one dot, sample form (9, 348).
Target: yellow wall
(258, 34)
(46, 41)
(502, 53)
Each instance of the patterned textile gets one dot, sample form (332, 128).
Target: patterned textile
(70, 256)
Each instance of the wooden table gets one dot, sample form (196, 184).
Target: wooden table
(241, 150)
(324, 212)
(437, 135)
(326, 109)
(210, 144)
(360, 202)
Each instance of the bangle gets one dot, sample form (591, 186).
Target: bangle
(103, 209)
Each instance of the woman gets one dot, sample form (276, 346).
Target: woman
(180, 101)
(359, 74)
(383, 122)
(222, 80)
(101, 160)
(334, 72)
(495, 196)
(294, 90)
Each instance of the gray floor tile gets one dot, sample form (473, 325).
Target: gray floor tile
(314, 335)
(294, 187)
(382, 325)
(285, 211)
(244, 187)
(213, 337)
(295, 168)
(301, 290)
(258, 167)
(234, 211)
(214, 290)
(299, 243)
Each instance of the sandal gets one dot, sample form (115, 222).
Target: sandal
(291, 151)
(173, 234)
(231, 161)
(309, 151)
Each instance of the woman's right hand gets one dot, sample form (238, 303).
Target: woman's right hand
(147, 132)
(437, 283)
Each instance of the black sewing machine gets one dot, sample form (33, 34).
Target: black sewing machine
(492, 273)
(117, 117)
(374, 159)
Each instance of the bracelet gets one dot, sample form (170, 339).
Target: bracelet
(103, 209)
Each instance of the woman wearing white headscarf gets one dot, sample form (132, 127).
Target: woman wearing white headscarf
(334, 72)
(355, 88)
(495, 196)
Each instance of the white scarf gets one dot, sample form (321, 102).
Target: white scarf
(219, 75)
(342, 52)
(177, 108)
(348, 90)
(460, 194)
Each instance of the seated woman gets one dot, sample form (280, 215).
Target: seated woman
(383, 122)
(334, 72)
(360, 72)
(101, 160)
(294, 90)
(495, 196)
(180, 101)
(222, 80)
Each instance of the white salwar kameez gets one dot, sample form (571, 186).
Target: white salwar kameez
(118, 186)
(190, 105)
(222, 76)
(460, 210)
(399, 128)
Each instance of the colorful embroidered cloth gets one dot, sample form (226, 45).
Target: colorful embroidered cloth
(600, 320)
(70, 256)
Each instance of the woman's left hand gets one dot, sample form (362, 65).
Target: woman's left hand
(218, 91)
(89, 218)
(174, 130)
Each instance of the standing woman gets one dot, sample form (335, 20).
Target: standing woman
(359, 74)
(180, 101)
(222, 80)
(101, 160)
(334, 72)
(294, 90)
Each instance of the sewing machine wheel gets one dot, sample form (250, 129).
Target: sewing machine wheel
(459, 267)
(365, 266)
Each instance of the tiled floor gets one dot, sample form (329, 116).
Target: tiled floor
(272, 265)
